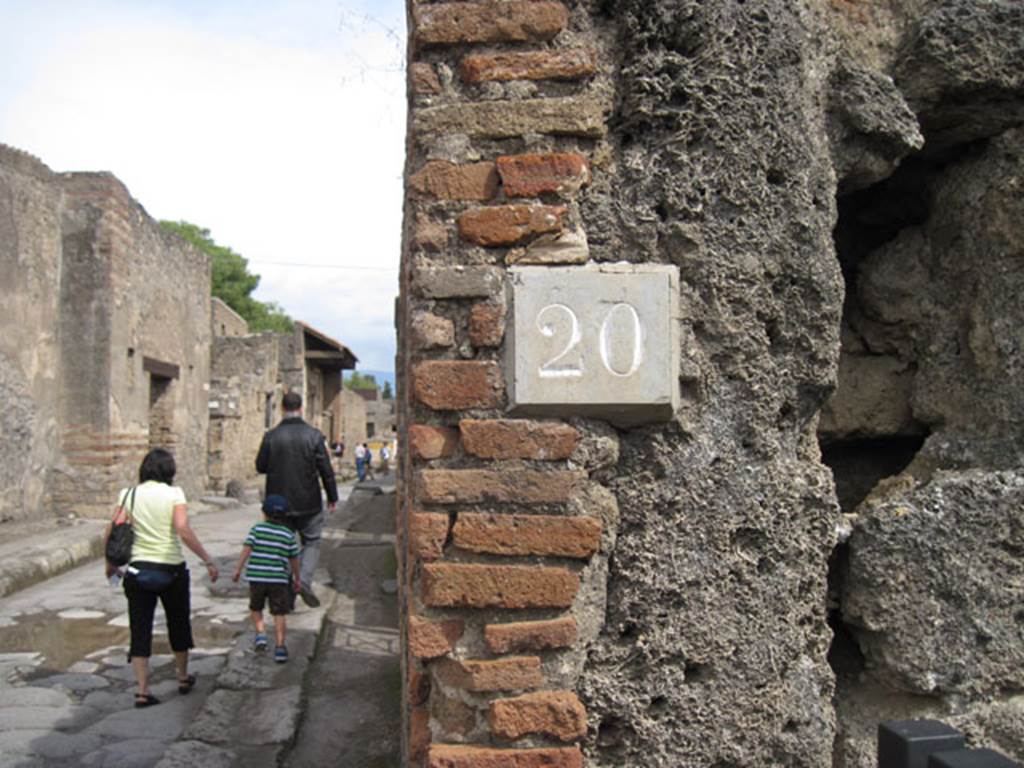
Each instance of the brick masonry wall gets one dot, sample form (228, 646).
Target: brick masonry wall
(552, 133)
(504, 527)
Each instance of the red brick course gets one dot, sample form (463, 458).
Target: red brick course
(467, 756)
(424, 78)
(455, 717)
(427, 534)
(426, 442)
(524, 486)
(430, 331)
(453, 385)
(518, 439)
(517, 21)
(557, 714)
(487, 324)
(431, 639)
(447, 181)
(510, 224)
(429, 234)
(540, 535)
(418, 686)
(531, 635)
(514, 673)
(529, 65)
(472, 585)
(419, 733)
(531, 175)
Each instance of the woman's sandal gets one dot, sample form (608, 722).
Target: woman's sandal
(186, 685)
(145, 700)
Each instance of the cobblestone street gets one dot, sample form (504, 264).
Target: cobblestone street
(66, 687)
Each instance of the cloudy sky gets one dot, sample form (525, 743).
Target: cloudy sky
(277, 124)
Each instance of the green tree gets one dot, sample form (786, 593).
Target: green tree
(385, 391)
(231, 281)
(359, 380)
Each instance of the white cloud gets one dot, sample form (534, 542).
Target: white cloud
(279, 126)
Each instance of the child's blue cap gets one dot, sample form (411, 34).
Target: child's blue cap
(276, 506)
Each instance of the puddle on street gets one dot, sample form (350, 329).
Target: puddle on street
(63, 641)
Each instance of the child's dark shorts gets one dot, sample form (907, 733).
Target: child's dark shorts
(278, 595)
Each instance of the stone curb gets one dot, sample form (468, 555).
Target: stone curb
(252, 714)
(36, 553)
(46, 556)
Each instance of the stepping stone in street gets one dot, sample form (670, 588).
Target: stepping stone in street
(81, 613)
(75, 682)
(48, 744)
(188, 754)
(33, 718)
(33, 696)
(135, 753)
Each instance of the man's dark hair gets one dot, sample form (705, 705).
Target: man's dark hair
(292, 401)
(158, 465)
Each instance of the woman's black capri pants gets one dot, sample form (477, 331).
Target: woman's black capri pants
(142, 605)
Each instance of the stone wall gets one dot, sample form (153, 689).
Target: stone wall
(30, 363)
(245, 398)
(688, 593)
(352, 417)
(135, 341)
(226, 322)
(106, 304)
(650, 596)
(926, 424)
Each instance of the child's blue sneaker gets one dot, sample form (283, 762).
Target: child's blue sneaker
(260, 642)
(280, 654)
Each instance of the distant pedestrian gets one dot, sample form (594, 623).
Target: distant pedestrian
(361, 461)
(385, 458)
(368, 463)
(293, 456)
(157, 569)
(270, 556)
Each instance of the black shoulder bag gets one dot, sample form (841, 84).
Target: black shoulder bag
(119, 543)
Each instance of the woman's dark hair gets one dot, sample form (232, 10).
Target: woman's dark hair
(158, 465)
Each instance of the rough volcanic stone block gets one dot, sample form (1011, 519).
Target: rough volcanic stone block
(907, 743)
(458, 282)
(597, 341)
(511, 119)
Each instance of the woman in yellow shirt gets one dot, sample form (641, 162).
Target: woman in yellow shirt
(157, 569)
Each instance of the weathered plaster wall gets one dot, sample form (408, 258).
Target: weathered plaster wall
(776, 152)
(30, 261)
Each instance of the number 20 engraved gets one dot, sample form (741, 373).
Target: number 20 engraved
(568, 363)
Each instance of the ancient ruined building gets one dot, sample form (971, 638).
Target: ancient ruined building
(249, 374)
(101, 355)
(111, 345)
(828, 530)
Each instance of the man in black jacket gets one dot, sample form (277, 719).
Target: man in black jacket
(293, 456)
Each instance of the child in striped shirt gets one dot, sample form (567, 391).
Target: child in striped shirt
(270, 557)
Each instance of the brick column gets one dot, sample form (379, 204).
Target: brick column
(502, 531)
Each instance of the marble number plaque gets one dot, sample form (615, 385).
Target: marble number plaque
(600, 341)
